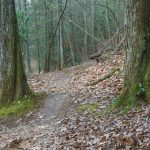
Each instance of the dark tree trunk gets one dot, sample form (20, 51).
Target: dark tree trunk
(49, 33)
(13, 83)
(137, 78)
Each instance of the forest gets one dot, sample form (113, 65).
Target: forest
(74, 74)
(67, 32)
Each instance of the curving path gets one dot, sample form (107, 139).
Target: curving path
(28, 132)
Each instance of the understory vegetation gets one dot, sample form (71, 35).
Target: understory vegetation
(22, 106)
(18, 107)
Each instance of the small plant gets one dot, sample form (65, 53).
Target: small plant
(141, 89)
(124, 106)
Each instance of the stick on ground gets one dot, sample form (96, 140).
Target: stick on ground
(104, 77)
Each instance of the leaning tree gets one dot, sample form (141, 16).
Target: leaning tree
(137, 77)
(13, 83)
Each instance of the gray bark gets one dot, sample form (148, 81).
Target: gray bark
(13, 80)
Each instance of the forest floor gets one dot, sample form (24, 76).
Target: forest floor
(73, 116)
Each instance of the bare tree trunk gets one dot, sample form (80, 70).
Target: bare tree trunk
(60, 36)
(13, 81)
(86, 29)
(27, 40)
(46, 69)
(38, 46)
(137, 79)
(93, 24)
(37, 38)
(71, 49)
(61, 48)
(107, 21)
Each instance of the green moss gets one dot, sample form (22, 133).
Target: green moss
(131, 99)
(147, 85)
(21, 106)
(124, 105)
(148, 96)
(88, 107)
(0, 92)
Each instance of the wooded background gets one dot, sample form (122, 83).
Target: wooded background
(61, 33)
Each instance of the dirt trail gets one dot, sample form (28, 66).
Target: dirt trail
(19, 134)
(59, 125)
(57, 97)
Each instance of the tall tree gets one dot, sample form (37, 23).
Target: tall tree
(13, 81)
(137, 78)
(47, 39)
(36, 12)
(86, 30)
(27, 38)
(60, 34)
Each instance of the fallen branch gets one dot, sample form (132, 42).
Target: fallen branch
(97, 54)
(83, 30)
(104, 77)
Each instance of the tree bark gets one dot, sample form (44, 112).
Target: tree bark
(13, 83)
(107, 21)
(27, 40)
(137, 77)
(37, 30)
(85, 48)
(49, 32)
(46, 69)
(61, 51)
